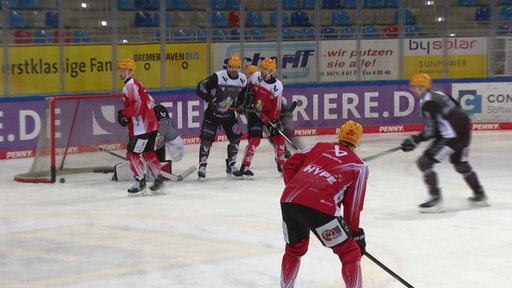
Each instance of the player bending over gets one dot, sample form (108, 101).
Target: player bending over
(324, 193)
(448, 126)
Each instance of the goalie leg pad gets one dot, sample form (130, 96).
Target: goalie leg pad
(122, 172)
(174, 149)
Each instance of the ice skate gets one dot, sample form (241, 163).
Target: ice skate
(244, 172)
(158, 184)
(201, 172)
(432, 205)
(231, 170)
(137, 188)
(478, 200)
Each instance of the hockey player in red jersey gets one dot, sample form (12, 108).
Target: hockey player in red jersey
(264, 102)
(324, 193)
(142, 124)
(448, 125)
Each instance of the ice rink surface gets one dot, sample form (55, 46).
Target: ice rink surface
(227, 233)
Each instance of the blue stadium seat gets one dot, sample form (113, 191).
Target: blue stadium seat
(292, 5)
(372, 3)
(143, 19)
(235, 34)
(167, 35)
(341, 18)
(371, 32)
(483, 14)
(505, 13)
(328, 33)
(218, 4)
(80, 36)
(12, 4)
(284, 19)
(506, 2)
(180, 5)
(183, 35)
(142, 4)
(51, 19)
(219, 19)
(503, 29)
(27, 4)
(156, 5)
(201, 34)
(467, 2)
(350, 4)
(254, 19)
(288, 34)
(332, 4)
(348, 32)
(413, 31)
(156, 19)
(307, 33)
(409, 19)
(219, 35)
(43, 37)
(17, 19)
(125, 5)
(300, 18)
(308, 4)
(391, 3)
(257, 34)
(232, 4)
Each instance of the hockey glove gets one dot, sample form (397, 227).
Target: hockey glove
(121, 119)
(274, 127)
(410, 143)
(360, 240)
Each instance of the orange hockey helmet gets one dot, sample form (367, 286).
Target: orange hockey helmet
(351, 132)
(126, 63)
(250, 68)
(235, 61)
(421, 79)
(268, 63)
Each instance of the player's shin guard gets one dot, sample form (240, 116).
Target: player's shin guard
(350, 257)
(430, 179)
(152, 163)
(291, 262)
(253, 142)
(279, 147)
(136, 164)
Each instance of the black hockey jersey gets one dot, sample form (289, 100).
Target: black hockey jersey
(222, 91)
(442, 116)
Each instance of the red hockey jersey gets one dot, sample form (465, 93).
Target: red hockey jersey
(137, 107)
(324, 177)
(267, 96)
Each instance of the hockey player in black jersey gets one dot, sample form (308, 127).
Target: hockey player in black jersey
(448, 126)
(223, 91)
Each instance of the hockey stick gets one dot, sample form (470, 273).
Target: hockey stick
(385, 268)
(271, 124)
(289, 110)
(112, 153)
(172, 177)
(371, 157)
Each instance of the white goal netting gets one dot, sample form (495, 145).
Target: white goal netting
(73, 130)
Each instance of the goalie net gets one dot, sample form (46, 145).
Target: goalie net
(72, 131)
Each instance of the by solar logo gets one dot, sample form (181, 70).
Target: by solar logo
(470, 101)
